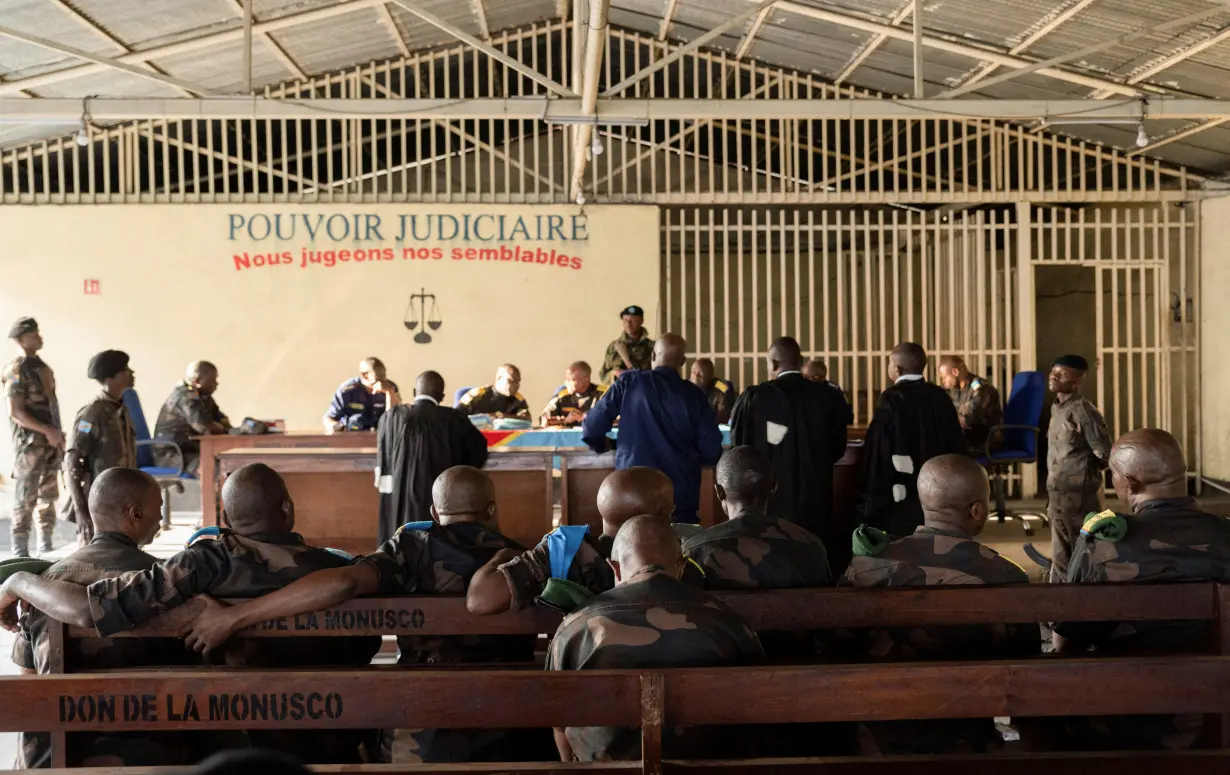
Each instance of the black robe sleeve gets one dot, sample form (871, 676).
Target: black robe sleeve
(470, 442)
(742, 430)
(877, 462)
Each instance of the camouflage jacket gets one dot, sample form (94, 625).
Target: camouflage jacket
(932, 557)
(484, 400)
(640, 353)
(759, 552)
(109, 554)
(1078, 446)
(650, 620)
(527, 573)
(979, 410)
(33, 381)
(103, 436)
(187, 413)
(565, 401)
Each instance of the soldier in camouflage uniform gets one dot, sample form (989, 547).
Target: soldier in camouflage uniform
(721, 394)
(190, 411)
(38, 442)
(257, 553)
(650, 619)
(126, 505)
(431, 558)
(954, 493)
(632, 350)
(569, 406)
(102, 437)
(511, 580)
(1078, 448)
(977, 402)
(1163, 538)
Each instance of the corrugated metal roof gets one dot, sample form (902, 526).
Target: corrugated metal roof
(786, 39)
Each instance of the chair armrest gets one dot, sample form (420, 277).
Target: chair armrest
(1001, 427)
(166, 443)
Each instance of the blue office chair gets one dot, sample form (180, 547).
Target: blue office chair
(458, 394)
(168, 478)
(1019, 442)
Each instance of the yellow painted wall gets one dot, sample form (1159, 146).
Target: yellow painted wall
(284, 336)
(1214, 322)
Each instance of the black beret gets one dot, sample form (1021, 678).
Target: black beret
(107, 364)
(633, 310)
(22, 327)
(1071, 362)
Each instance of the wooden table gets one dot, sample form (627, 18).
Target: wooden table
(336, 503)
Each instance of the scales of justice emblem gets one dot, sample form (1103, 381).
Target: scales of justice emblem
(426, 318)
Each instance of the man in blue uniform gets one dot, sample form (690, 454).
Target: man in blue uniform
(360, 401)
(665, 423)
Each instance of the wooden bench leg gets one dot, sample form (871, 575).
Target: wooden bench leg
(653, 698)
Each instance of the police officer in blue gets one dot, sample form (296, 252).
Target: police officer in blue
(665, 422)
(360, 401)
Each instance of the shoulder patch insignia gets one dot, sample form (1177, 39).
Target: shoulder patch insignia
(563, 393)
(1105, 526)
(519, 397)
(975, 385)
(84, 426)
(721, 386)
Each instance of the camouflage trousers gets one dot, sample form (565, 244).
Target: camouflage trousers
(35, 484)
(1067, 510)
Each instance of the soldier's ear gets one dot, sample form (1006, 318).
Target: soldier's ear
(719, 492)
(1133, 484)
(615, 567)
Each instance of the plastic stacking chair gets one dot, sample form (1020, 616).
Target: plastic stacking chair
(168, 478)
(1019, 442)
(459, 394)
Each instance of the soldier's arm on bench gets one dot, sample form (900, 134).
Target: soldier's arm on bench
(61, 600)
(489, 591)
(313, 592)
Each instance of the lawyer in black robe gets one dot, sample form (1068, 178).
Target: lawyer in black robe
(800, 426)
(415, 443)
(914, 421)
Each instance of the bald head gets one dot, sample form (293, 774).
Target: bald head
(125, 500)
(816, 370)
(255, 500)
(203, 375)
(954, 492)
(744, 480)
(642, 542)
(784, 355)
(430, 383)
(463, 494)
(906, 358)
(669, 352)
(632, 492)
(1147, 465)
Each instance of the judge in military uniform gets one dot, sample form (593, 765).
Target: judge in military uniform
(632, 350)
(1160, 536)
(721, 393)
(569, 406)
(977, 403)
(650, 619)
(102, 437)
(38, 442)
(499, 399)
(954, 493)
(1078, 447)
(190, 411)
(361, 401)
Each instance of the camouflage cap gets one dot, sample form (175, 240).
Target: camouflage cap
(22, 326)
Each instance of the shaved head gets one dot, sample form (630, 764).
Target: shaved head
(125, 500)
(816, 370)
(744, 477)
(1148, 464)
(199, 370)
(463, 494)
(954, 491)
(430, 383)
(670, 352)
(644, 541)
(785, 355)
(255, 500)
(632, 492)
(910, 358)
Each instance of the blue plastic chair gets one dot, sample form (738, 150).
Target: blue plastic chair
(458, 394)
(1019, 441)
(168, 478)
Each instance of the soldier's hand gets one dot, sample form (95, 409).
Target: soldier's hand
(55, 438)
(575, 417)
(212, 628)
(8, 609)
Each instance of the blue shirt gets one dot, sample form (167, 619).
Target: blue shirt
(355, 407)
(665, 422)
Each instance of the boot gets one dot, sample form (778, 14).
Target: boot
(45, 546)
(21, 546)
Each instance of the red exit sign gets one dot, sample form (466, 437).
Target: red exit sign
(92, 288)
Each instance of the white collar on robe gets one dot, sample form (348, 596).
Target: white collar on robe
(908, 378)
(427, 398)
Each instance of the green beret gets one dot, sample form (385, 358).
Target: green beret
(563, 595)
(107, 364)
(869, 541)
(22, 326)
(1105, 526)
(22, 564)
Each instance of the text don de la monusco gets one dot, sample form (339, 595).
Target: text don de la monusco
(499, 238)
